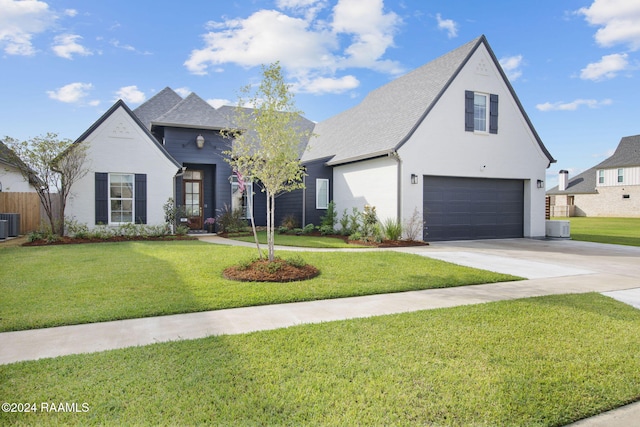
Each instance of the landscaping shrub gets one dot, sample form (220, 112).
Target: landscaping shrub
(414, 226)
(230, 220)
(309, 228)
(290, 222)
(328, 220)
(392, 229)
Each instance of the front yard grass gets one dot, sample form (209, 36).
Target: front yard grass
(616, 231)
(72, 284)
(544, 361)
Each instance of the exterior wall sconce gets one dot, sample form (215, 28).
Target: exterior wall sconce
(414, 178)
(200, 141)
(540, 183)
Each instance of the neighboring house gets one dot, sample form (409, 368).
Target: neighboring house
(11, 180)
(609, 189)
(449, 140)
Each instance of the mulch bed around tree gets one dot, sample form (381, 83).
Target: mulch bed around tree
(74, 240)
(264, 271)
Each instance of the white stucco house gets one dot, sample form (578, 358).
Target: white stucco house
(449, 140)
(609, 189)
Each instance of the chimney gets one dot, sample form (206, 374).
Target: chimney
(563, 180)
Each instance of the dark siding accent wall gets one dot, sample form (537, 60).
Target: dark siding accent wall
(316, 169)
(260, 206)
(102, 198)
(181, 144)
(289, 204)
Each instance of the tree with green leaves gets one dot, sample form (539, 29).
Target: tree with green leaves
(266, 140)
(51, 165)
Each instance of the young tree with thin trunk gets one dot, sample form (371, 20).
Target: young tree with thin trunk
(51, 166)
(266, 140)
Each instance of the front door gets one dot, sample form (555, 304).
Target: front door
(192, 191)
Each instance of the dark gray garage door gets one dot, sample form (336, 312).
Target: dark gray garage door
(472, 208)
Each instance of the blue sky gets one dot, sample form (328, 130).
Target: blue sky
(575, 64)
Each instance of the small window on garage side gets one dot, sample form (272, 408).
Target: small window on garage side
(620, 175)
(322, 193)
(600, 177)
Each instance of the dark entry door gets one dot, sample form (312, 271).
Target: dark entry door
(473, 208)
(192, 194)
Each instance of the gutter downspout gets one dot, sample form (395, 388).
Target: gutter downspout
(394, 155)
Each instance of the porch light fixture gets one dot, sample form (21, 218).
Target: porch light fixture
(540, 183)
(200, 141)
(414, 178)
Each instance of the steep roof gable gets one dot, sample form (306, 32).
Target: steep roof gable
(157, 105)
(192, 112)
(121, 104)
(389, 115)
(627, 154)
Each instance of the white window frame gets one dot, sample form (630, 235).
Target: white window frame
(132, 199)
(324, 202)
(620, 175)
(247, 202)
(600, 176)
(476, 117)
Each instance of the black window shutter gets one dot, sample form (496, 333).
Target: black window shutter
(141, 198)
(102, 198)
(468, 110)
(493, 114)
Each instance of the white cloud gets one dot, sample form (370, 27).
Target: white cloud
(131, 95)
(71, 12)
(357, 34)
(449, 25)
(327, 84)
(511, 66)
(71, 93)
(183, 91)
(574, 105)
(607, 68)
(619, 21)
(20, 21)
(66, 45)
(217, 102)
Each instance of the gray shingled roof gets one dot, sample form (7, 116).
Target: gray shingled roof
(584, 183)
(192, 112)
(157, 105)
(5, 155)
(389, 115)
(302, 123)
(627, 154)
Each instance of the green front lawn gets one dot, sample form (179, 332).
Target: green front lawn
(542, 361)
(617, 231)
(71, 284)
(302, 241)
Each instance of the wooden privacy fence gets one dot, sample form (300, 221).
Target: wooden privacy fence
(27, 205)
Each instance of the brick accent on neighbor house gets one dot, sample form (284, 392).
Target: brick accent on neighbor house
(609, 202)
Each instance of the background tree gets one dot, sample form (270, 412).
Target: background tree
(51, 166)
(266, 141)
